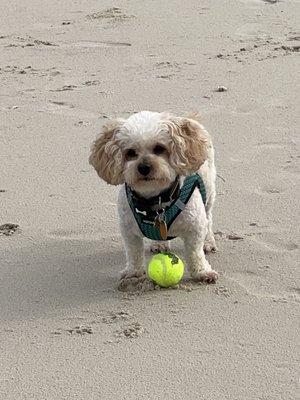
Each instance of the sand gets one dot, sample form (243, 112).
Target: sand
(66, 332)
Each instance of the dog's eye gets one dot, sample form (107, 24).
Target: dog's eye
(159, 149)
(131, 154)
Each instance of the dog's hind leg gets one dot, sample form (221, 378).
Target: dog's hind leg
(209, 242)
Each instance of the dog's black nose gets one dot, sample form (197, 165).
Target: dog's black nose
(144, 169)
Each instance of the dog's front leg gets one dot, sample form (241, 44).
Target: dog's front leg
(198, 265)
(134, 249)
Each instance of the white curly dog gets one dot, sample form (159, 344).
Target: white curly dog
(150, 155)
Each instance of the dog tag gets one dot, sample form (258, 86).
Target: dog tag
(161, 225)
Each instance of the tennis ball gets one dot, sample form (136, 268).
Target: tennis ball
(165, 269)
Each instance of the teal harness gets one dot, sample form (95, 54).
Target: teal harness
(147, 211)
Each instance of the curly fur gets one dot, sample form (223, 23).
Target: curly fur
(188, 146)
(106, 156)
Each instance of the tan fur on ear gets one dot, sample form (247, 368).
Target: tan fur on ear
(106, 156)
(189, 145)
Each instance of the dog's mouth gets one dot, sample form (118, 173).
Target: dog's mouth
(147, 179)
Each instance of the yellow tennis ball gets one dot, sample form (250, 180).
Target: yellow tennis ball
(165, 269)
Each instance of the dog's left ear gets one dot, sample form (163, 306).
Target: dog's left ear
(189, 145)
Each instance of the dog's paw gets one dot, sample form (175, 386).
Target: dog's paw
(160, 247)
(210, 247)
(206, 276)
(129, 273)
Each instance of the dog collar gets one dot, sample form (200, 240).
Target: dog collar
(156, 203)
(155, 216)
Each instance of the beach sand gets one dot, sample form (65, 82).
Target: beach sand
(66, 332)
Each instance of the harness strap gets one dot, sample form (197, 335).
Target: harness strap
(145, 220)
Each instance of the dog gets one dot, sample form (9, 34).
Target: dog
(165, 166)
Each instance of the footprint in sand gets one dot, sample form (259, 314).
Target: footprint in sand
(112, 15)
(80, 330)
(116, 316)
(28, 41)
(9, 229)
(76, 330)
(65, 88)
(94, 82)
(130, 331)
(28, 70)
(171, 69)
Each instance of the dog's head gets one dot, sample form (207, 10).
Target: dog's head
(149, 150)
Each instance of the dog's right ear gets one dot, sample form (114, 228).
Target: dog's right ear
(106, 156)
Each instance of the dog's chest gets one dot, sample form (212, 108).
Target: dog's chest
(188, 221)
